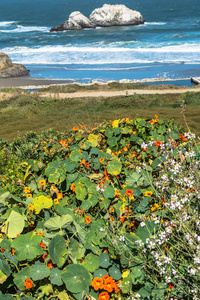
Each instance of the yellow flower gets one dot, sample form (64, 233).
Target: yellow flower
(148, 193)
(56, 201)
(29, 195)
(125, 273)
(27, 189)
(31, 207)
(155, 207)
(42, 182)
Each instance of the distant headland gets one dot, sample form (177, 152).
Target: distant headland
(106, 16)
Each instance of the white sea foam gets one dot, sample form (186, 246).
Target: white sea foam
(21, 29)
(154, 23)
(67, 54)
(6, 23)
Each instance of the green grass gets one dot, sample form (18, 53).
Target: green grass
(72, 88)
(28, 112)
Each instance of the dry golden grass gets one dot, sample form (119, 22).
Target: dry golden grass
(26, 112)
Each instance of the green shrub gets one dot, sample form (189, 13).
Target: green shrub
(110, 212)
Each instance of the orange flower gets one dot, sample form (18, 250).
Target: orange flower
(105, 277)
(97, 283)
(106, 175)
(133, 155)
(101, 160)
(50, 265)
(83, 127)
(42, 245)
(13, 251)
(28, 284)
(131, 224)
(62, 142)
(83, 161)
(87, 164)
(125, 149)
(59, 196)
(129, 193)
(41, 233)
(152, 121)
(184, 139)
(122, 220)
(158, 143)
(104, 296)
(44, 256)
(75, 128)
(73, 187)
(109, 284)
(87, 220)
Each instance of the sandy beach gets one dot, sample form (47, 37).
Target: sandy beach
(30, 83)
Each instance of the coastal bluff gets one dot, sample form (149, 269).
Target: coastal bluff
(9, 69)
(106, 16)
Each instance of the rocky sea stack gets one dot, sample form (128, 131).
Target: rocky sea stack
(106, 16)
(9, 69)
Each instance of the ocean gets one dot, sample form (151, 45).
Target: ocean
(166, 46)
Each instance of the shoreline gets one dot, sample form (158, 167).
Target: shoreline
(31, 83)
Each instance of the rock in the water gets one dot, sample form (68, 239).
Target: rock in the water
(106, 16)
(76, 21)
(115, 15)
(8, 69)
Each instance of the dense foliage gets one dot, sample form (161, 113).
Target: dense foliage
(103, 214)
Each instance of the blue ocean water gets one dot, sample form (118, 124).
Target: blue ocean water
(167, 45)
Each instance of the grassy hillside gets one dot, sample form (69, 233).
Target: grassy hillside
(25, 111)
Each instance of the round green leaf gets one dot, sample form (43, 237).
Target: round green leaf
(27, 246)
(105, 260)
(76, 156)
(126, 285)
(76, 278)
(114, 166)
(112, 141)
(100, 273)
(81, 191)
(57, 248)
(109, 192)
(14, 224)
(115, 272)
(39, 271)
(55, 276)
(58, 222)
(20, 278)
(91, 262)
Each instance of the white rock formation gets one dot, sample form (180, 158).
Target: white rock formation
(115, 15)
(76, 21)
(106, 16)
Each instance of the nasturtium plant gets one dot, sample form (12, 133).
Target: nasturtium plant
(39, 271)
(91, 262)
(114, 166)
(57, 250)
(107, 213)
(27, 246)
(76, 278)
(14, 225)
(42, 202)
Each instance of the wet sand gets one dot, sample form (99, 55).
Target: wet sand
(31, 83)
